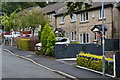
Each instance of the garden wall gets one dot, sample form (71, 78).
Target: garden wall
(70, 50)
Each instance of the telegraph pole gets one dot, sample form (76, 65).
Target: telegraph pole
(103, 40)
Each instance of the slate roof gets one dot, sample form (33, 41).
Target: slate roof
(94, 5)
(52, 8)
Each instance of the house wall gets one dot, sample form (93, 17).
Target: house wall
(52, 22)
(87, 26)
(116, 23)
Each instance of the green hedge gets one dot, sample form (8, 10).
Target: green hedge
(74, 42)
(94, 62)
(23, 44)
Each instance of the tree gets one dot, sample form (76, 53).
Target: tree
(47, 40)
(9, 22)
(9, 7)
(31, 18)
(76, 6)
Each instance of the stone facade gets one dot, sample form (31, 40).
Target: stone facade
(111, 20)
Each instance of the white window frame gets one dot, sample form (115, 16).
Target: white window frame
(73, 18)
(100, 13)
(81, 37)
(50, 17)
(86, 37)
(73, 35)
(96, 36)
(83, 17)
(61, 19)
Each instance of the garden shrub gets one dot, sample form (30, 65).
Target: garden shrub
(50, 44)
(47, 40)
(32, 41)
(74, 42)
(94, 62)
(23, 44)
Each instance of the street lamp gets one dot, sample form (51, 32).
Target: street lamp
(103, 41)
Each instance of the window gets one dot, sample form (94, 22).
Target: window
(84, 17)
(73, 18)
(81, 38)
(87, 37)
(73, 35)
(95, 36)
(100, 14)
(67, 35)
(84, 38)
(61, 20)
(50, 17)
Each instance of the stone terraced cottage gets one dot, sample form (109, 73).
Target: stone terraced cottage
(85, 26)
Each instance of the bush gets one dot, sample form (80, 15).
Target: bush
(47, 40)
(23, 44)
(50, 44)
(74, 42)
(28, 43)
(94, 62)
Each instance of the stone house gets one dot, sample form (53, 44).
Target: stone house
(85, 26)
(52, 10)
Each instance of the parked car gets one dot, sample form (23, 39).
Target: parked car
(59, 40)
(16, 34)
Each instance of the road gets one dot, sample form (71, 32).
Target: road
(14, 67)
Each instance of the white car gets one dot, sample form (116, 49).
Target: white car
(59, 40)
(62, 40)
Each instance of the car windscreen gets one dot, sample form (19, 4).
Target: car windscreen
(61, 40)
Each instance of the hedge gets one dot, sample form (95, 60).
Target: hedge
(23, 44)
(94, 62)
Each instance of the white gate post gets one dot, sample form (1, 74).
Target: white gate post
(114, 66)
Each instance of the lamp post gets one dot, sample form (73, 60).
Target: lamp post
(103, 41)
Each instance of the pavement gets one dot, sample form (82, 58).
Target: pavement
(58, 65)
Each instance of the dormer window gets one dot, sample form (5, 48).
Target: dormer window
(73, 18)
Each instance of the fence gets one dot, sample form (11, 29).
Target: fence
(71, 50)
(117, 64)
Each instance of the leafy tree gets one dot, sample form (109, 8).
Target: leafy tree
(47, 40)
(9, 21)
(9, 7)
(32, 19)
(76, 6)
